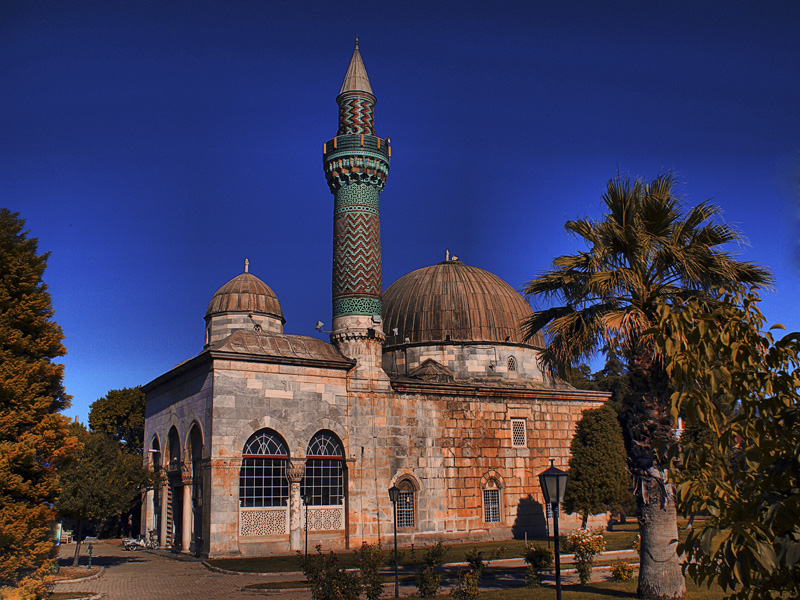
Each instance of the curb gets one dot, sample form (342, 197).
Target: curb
(80, 579)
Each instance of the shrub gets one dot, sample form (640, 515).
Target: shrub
(622, 571)
(370, 560)
(538, 560)
(427, 580)
(586, 545)
(468, 586)
(475, 560)
(327, 579)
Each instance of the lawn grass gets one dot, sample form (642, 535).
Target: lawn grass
(595, 591)
(412, 555)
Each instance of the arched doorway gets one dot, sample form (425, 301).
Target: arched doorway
(174, 490)
(195, 458)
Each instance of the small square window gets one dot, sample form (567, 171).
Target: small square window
(518, 434)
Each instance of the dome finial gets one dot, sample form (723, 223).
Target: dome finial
(246, 265)
(356, 41)
(447, 255)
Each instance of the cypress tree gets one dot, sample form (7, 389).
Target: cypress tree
(33, 435)
(598, 470)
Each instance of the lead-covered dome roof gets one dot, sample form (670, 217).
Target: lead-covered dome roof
(451, 301)
(245, 293)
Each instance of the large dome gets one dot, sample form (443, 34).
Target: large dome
(245, 293)
(453, 302)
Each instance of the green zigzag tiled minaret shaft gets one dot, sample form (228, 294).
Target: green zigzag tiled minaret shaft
(356, 164)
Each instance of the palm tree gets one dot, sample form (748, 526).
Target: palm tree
(644, 252)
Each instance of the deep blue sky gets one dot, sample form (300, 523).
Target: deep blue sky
(152, 146)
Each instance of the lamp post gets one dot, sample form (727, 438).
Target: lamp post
(554, 482)
(394, 494)
(306, 501)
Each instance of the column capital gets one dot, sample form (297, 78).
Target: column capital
(295, 470)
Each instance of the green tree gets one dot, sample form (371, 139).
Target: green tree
(103, 481)
(598, 470)
(736, 380)
(34, 439)
(120, 415)
(643, 253)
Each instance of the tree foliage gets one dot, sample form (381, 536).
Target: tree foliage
(598, 470)
(34, 439)
(644, 253)
(735, 379)
(120, 415)
(103, 480)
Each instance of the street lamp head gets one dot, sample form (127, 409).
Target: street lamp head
(307, 499)
(394, 493)
(554, 482)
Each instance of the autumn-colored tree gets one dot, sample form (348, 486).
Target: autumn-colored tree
(733, 378)
(34, 440)
(120, 415)
(645, 252)
(598, 467)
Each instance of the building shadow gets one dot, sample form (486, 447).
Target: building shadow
(530, 519)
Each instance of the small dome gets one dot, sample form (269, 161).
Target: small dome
(456, 302)
(245, 293)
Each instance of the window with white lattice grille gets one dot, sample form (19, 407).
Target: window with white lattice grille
(512, 364)
(262, 477)
(405, 505)
(491, 502)
(518, 435)
(323, 478)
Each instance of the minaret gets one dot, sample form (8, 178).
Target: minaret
(356, 164)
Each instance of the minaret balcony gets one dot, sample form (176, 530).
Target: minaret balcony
(356, 158)
(357, 143)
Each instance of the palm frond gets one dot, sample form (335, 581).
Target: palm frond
(646, 249)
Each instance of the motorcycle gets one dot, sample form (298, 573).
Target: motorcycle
(140, 544)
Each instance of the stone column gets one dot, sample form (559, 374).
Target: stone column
(162, 535)
(187, 521)
(294, 473)
(148, 513)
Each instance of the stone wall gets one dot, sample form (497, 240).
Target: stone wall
(449, 447)
(468, 361)
(450, 441)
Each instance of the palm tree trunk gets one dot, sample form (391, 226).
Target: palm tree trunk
(660, 575)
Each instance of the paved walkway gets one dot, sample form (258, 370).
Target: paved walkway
(142, 575)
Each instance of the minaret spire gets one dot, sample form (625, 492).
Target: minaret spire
(356, 77)
(356, 164)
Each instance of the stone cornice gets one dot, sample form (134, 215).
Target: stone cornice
(479, 391)
(208, 356)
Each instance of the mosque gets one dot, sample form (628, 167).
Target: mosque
(268, 439)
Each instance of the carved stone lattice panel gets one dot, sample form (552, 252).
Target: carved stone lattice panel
(326, 518)
(263, 521)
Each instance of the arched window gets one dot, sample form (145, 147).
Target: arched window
(491, 502)
(262, 478)
(323, 482)
(155, 454)
(174, 449)
(512, 364)
(406, 504)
